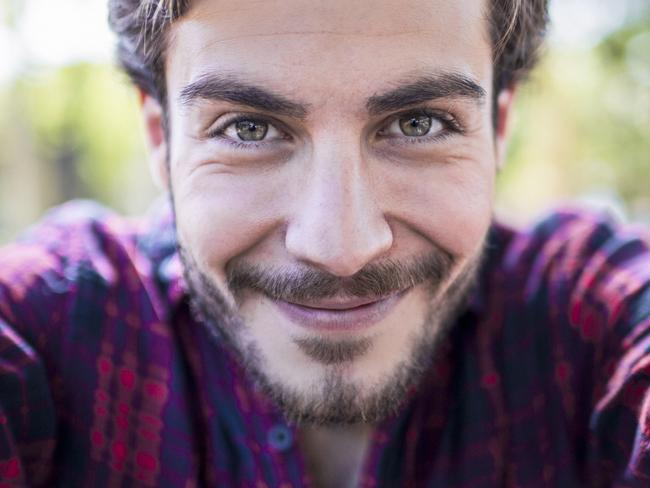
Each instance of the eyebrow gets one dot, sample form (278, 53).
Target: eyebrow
(419, 90)
(427, 88)
(229, 89)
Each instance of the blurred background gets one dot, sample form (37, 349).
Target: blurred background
(69, 125)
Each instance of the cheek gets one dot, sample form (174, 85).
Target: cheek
(449, 203)
(220, 216)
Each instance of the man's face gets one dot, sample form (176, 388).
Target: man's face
(332, 166)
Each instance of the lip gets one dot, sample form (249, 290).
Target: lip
(339, 314)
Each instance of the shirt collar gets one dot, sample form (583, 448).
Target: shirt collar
(158, 241)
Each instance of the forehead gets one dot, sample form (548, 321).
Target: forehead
(324, 48)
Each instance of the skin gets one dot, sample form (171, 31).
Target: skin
(338, 188)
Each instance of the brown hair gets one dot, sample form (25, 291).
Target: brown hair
(517, 28)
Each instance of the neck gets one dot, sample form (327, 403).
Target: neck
(335, 454)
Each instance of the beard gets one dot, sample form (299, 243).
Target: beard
(335, 400)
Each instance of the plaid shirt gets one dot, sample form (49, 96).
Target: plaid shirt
(106, 379)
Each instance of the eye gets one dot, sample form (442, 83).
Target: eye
(251, 130)
(415, 125)
(247, 129)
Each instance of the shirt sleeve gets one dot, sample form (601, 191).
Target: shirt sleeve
(39, 280)
(27, 416)
(610, 307)
(31, 305)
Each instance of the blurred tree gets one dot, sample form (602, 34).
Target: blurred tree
(80, 125)
(583, 127)
(86, 123)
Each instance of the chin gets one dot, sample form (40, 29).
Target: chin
(342, 378)
(344, 367)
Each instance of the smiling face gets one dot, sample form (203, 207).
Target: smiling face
(332, 166)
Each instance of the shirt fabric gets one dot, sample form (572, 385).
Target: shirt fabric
(106, 378)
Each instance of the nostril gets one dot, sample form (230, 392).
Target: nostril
(338, 251)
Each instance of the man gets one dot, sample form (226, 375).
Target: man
(326, 301)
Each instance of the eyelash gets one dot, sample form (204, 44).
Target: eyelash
(218, 132)
(450, 124)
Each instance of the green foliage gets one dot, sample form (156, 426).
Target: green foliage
(583, 127)
(85, 108)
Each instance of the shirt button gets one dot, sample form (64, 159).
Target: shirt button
(279, 438)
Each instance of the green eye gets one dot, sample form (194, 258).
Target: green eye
(251, 130)
(247, 131)
(415, 125)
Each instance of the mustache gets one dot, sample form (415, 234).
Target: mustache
(374, 280)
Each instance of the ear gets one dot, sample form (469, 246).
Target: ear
(504, 108)
(152, 115)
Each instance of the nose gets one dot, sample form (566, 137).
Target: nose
(337, 224)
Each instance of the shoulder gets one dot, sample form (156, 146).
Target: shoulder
(76, 252)
(54, 266)
(577, 280)
(578, 283)
(583, 255)
(569, 236)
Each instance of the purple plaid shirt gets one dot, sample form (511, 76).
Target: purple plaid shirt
(106, 379)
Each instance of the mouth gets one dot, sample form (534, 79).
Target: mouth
(339, 313)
